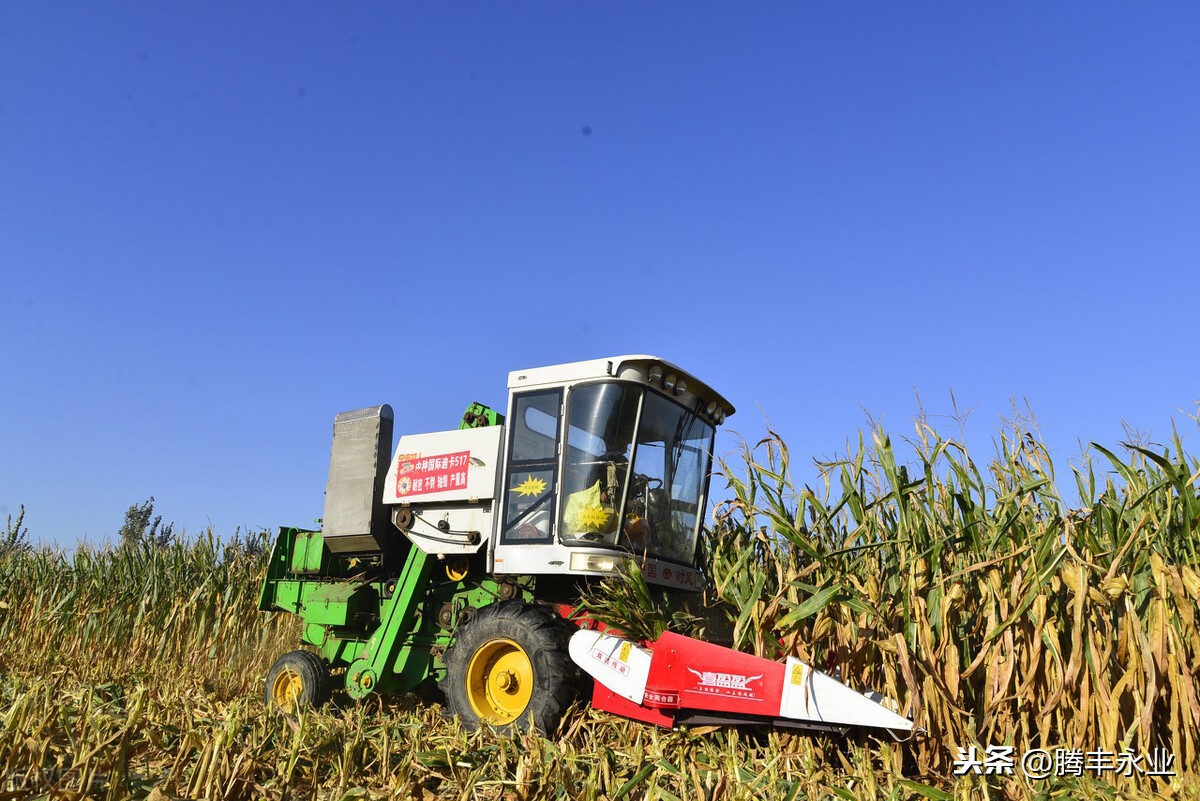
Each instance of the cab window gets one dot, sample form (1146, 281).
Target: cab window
(599, 441)
(529, 505)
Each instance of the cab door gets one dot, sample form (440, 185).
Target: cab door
(529, 506)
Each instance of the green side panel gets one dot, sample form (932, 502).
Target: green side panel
(287, 596)
(308, 552)
(335, 651)
(329, 604)
(277, 570)
(295, 551)
(325, 603)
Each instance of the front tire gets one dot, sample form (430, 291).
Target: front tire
(297, 679)
(509, 668)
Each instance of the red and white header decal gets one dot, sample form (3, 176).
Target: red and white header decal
(421, 475)
(730, 685)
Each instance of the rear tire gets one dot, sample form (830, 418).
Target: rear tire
(296, 680)
(509, 668)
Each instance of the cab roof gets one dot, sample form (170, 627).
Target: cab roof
(632, 366)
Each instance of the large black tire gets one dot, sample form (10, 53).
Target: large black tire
(509, 668)
(298, 679)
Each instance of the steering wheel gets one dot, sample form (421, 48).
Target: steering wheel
(649, 481)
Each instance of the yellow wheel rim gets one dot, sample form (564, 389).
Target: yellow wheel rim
(499, 682)
(286, 690)
(457, 568)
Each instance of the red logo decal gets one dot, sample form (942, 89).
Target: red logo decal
(730, 685)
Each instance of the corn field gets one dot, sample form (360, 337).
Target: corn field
(995, 611)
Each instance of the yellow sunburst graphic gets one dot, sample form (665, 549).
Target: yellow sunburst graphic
(594, 517)
(530, 486)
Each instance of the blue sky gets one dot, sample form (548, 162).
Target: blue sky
(221, 224)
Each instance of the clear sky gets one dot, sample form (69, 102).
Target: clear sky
(222, 223)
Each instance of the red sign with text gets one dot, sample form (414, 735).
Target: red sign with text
(421, 475)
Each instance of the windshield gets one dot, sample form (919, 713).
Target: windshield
(636, 469)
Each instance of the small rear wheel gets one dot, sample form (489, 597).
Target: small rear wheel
(509, 667)
(296, 680)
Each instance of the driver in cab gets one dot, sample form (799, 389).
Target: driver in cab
(591, 513)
